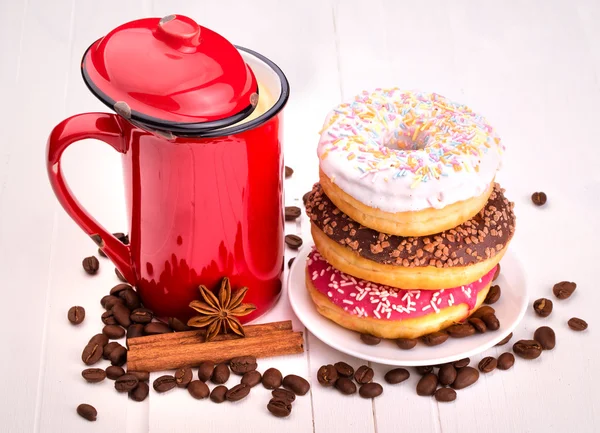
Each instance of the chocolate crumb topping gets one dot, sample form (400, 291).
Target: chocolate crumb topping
(480, 238)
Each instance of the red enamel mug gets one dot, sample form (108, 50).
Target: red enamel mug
(199, 125)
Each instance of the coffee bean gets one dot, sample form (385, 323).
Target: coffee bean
(93, 375)
(465, 377)
(564, 289)
(76, 315)
(447, 374)
(486, 309)
(198, 389)
(527, 349)
(87, 411)
(122, 237)
(100, 339)
(118, 356)
(116, 290)
(135, 330)
(109, 348)
(497, 273)
(143, 376)
(487, 364)
(120, 276)
(164, 383)
(291, 261)
(280, 408)
(114, 332)
(427, 384)
(220, 374)
(110, 301)
(327, 375)
(90, 265)
(504, 340)
(543, 307)
(364, 374)
(131, 299)
(293, 241)
(283, 394)
(461, 363)
(546, 337)
(243, 364)
(343, 369)
(371, 340)
(292, 212)
(345, 386)
(478, 324)
(396, 375)
(205, 370)
(238, 392)
(539, 198)
(155, 328)
(506, 361)
(435, 338)
(113, 372)
(288, 171)
(140, 392)
(424, 369)
(297, 384)
(406, 343)
(460, 330)
(183, 376)
(493, 295)
(141, 316)
(218, 394)
(121, 314)
(126, 383)
(577, 324)
(251, 378)
(305, 197)
(491, 321)
(445, 395)
(91, 354)
(108, 318)
(177, 325)
(272, 378)
(370, 390)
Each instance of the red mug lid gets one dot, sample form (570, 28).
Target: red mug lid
(171, 74)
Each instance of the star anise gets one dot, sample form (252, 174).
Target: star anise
(220, 314)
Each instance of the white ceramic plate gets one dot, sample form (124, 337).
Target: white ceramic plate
(510, 309)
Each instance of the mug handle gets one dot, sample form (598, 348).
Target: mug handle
(99, 126)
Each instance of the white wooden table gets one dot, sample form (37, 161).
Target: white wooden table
(531, 67)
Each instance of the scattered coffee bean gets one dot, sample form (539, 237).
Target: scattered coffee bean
(113, 372)
(114, 332)
(293, 241)
(435, 338)
(305, 197)
(527, 349)
(543, 307)
(292, 212)
(371, 340)
(280, 408)
(539, 198)
(364, 374)
(183, 376)
(131, 299)
(345, 386)
(110, 301)
(491, 321)
(445, 395)
(497, 273)
(108, 318)
(546, 337)
(120, 276)
(478, 324)
(135, 330)
(487, 364)
(87, 411)
(108, 348)
(251, 378)
(155, 328)
(92, 353)
(205, 370)
(220, 374)
(283, 394)
(140, 392)
(198, 389)
(406, 343)
(465, 377)
(564, 289)
(141, 316)
(143, 376)
(424, 369)
(177, 325)
(290, 261)
(505, 340)
(343, 369)
(370, 390)
(116, 290)
(118, 356)
(164, 383)
(76, 315)
(122, 237)
(396, 375)
(238, 392)
(460, 330)
(121, 314)
(577, 324)
(447, 374)
(93, 375)
(506, 361)
(126, 383)
(217, 395)
(427, 384)
(486, 309)
(461, 363)
(272, 378)
(327, 375)
(243, 364)
(493, 295)
(90, 265)
(297, 384)
(288, 171)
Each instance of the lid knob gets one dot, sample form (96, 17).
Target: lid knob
(178, 30)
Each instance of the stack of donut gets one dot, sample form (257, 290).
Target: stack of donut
(408, 222)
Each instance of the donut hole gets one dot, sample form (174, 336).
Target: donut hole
(400, 139)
